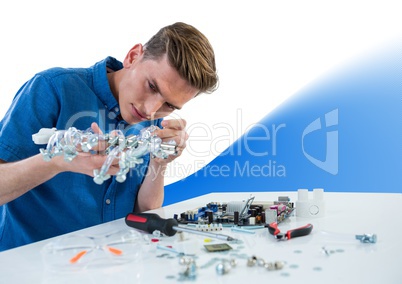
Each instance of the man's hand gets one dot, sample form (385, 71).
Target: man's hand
(172, 130)
(151, 193)
(86, 163)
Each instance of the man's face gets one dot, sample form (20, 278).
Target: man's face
(151, 89)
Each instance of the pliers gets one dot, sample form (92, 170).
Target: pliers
(298, 232)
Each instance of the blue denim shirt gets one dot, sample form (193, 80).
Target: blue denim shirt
(61, 98)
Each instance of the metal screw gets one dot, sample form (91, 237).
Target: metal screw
(233, 262)
(367, 238)
(277, 265)
(260, 262)
(189, 268)
(251, 261)
(223, 268)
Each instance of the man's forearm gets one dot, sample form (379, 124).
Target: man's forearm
(19, 177)
(151, 193)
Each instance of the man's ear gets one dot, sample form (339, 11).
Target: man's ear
(133, 55)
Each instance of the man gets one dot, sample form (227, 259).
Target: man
(42, 199)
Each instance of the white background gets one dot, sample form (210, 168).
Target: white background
(265, 50)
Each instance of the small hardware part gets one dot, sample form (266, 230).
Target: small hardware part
(209, 227)
(128, 150)
(224, 265)
(367, 238)
(277, 265)
(298, 232)
(251, 261)
(241, 230)
(364, 238)
(169, 249)
(223, 268)
(188, 269)
(257, 261)
(328, 252)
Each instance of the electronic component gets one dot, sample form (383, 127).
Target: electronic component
(240, 213)
(217, 247)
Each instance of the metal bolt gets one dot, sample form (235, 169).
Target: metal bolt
(223, 268)
(325, 251)
(367, 238)
(279, 265)
(251, 261)
(260, 262)
(98, 179)
(121, 177)
(269, 266)
(189, 267)
(85, 146)
(233, 262)
(46, 156)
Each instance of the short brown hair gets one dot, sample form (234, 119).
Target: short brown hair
(188, 51)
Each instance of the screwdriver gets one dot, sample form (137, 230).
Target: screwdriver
(149, 222)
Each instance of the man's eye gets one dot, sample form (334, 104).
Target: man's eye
(152, 87)
(170, 106)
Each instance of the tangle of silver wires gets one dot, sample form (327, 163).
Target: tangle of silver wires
(128, 150)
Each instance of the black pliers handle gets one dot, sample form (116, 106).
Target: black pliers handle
(298, 232)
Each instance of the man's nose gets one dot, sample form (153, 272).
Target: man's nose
(154, 105)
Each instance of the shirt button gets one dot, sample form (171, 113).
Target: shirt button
(107, 201)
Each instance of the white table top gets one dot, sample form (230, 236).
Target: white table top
(347, 259)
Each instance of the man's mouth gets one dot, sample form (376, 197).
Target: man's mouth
(137, 114)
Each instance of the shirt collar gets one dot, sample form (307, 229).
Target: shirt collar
(101, 83)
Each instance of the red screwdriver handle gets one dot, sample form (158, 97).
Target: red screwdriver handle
(150, 222)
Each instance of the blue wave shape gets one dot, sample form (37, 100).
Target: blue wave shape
(342, 133)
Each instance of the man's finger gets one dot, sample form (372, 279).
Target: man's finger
(178, 124)
(169, 133)
(95, 128)
(102, 145)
